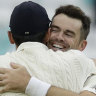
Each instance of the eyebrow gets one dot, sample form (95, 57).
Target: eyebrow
(54, 26)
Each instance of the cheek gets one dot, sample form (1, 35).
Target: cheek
(53, 36)
(74, 44)
(70, 41)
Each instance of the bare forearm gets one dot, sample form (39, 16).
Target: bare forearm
(87, 93)
(20, 72)
(54, 91)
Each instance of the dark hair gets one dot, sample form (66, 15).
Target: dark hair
(76, 12)
(32, 38)
(29, 22)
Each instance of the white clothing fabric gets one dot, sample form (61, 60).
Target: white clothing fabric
(37, 88)
(68, 70)
(90, 84)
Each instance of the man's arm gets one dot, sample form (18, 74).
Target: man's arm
(17, 79)
(54, 91)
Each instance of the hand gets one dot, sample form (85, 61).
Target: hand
(15, 79)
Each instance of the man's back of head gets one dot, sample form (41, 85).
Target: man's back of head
(29, 22)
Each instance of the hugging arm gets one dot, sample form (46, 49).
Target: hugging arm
(17, 79)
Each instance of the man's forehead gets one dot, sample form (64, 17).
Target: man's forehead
(64, 21)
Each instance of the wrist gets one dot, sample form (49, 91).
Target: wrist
(27, 82)
(37, 88)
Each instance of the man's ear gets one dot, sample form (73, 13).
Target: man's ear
(10, 37)
(47, 36)
(82, 45)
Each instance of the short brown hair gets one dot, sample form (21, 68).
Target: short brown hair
(76, 12)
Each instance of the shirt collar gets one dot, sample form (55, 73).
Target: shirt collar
(31, 44)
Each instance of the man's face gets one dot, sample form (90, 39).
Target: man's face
(64, 33)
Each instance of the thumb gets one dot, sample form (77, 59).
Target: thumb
(14, 65)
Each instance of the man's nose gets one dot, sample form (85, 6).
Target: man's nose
(60, 36)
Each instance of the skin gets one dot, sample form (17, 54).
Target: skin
(64, 34)
(7, 78)
(10, 82)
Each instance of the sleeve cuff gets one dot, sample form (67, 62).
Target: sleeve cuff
(36, 87)
(93, 90)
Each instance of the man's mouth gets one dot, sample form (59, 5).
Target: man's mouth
(57, 46)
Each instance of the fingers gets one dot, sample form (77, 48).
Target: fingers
(4, 89)
(4, 70)
(1, 77)
(2, 83)
(15, 66)
(5, 86)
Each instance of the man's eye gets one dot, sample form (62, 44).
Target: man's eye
(69, 35)
(53, 30)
